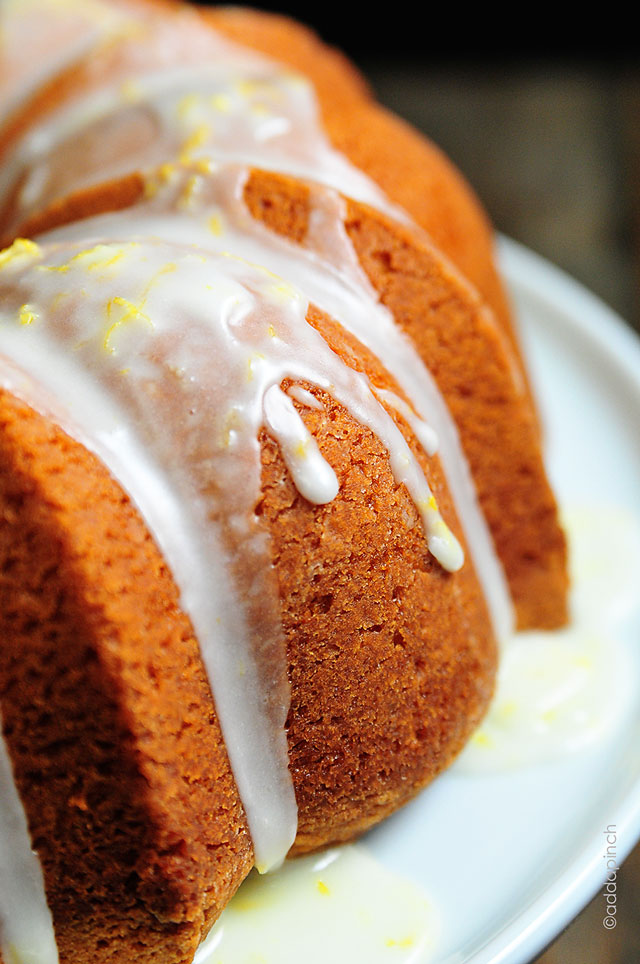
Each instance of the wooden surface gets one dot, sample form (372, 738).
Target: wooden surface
(553, 150)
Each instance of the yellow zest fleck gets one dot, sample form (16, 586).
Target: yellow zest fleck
(251, 364)
(128, 313)
(295, 80)
(15, 956)
(195, 140)
(204, 165)
(166, 170)
(246, 88)
(403, 942)
(251, 88)
(301, 449)
(60, 268)
(21, 248)
(151, 187)
(186, 105)
(322, 888)
(215, 225)
(232, 422)
(433, 505)
(282, 290)
(271, 332)
(168, 268)
(506, 710)
(27, 315)
(221, 102)
(162, 175)
(189, 191)
(480, 738)
(106, 262)
(130, 92)
(100, 257)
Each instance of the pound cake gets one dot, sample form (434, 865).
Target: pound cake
(271, 480)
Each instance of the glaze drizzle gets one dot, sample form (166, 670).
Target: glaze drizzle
(110, 324)
(122, 333)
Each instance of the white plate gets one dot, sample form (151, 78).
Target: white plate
(507, 858)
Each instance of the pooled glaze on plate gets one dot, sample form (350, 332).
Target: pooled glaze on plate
(550, 703)
(551, 699)
(338, 906)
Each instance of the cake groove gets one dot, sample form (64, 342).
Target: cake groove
(263, 414)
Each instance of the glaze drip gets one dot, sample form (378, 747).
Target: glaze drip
(110, 324)
(200, 96)
(26, 929)
(313, 476)
(203, 203)
(98, 312)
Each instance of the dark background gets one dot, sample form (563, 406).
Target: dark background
(543, 118)
(548, 133)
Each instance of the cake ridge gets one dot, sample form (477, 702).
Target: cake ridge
(141, 313)
(145, 283)
(203, 202)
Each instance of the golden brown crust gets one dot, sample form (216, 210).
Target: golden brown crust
(100, 675)
(478, 376)
(485, 393)
(293, 43)
(100, 199)
(465, 350)
(410, 169)
(391, 662)
(398, 653)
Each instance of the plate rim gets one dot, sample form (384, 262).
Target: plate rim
(529, 934)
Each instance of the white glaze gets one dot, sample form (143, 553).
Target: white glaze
(313, 476)
(341, 906)
(203, 205)
(40, 37)
(587, 688)
(206, 97)
(26, 929)
(239, 107)
(426, 435)
(561, 692)
(304, 397)
(110, 325)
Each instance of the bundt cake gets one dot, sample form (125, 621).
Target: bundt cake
(271, 481)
